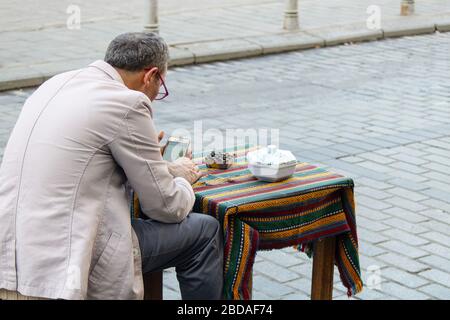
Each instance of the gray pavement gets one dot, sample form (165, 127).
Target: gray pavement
(378, 112)
(36, 43)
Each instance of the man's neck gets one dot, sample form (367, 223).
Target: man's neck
(130, 79)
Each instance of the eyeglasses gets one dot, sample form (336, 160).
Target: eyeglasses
(165, 93)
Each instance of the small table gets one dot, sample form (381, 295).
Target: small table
(314, 211)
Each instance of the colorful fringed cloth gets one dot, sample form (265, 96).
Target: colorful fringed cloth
(314, 203)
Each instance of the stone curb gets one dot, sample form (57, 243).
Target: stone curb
(236, 48)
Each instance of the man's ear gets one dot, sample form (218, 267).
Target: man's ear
(149, 75)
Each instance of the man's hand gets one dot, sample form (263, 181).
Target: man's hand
(185, 168)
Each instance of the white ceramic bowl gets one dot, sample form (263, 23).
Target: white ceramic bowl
(271, 164)
(270, 174)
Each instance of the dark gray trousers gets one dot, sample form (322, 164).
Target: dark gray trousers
(194, 247)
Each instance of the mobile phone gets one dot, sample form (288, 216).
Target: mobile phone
(176, 147)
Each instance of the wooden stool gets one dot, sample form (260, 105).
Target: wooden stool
(153, 289)
(153, 285)
(14, 295)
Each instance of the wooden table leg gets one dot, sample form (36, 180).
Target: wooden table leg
(153, 286)
(323, 268)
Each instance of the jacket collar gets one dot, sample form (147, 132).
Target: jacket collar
(108, 69)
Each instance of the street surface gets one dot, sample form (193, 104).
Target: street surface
(378, 112)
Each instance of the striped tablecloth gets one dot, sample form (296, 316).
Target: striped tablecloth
(314, 203)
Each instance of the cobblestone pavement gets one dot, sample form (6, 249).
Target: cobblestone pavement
(378, 112)
(34, 36)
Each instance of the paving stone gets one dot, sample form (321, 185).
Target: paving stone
(437, 167)
(395, 139)
(402, 248)
(371, 294)
(301, 285)
(377, 158)
(369, 249)
(352, 159)
(345, 298)
(417, 178)
(281, 258)
(374, 193)
(404, 153)
(403, 157)
(437, 226)
(408, 264)
(439, 220)
(276, 272)
(371, 224)
(438, 194)
(369, 263)
(363, 145)
(304, 270)
(408, 184)
(402, 292)
(375, 166)
(371, 237)
(415, 169)
(437, 176)
(296, 296)
(411, 195)
(438, 276)
(258, 295)
(438, 144)
(438, 159)
(437, 204)
(405, 237)
(270, 287)
(438, 249)
(400, 224)
(437, 291)
(346, 149)
(406, 204)
(387, 151)
(169, 279)
(373, 203)
(373, 183)
(406, 215)
(437, 151)
(403, 277)
(353, 168)
(437, 237)
(438, 185)
(370, 213)
(169, 294)
(436, 262)
(330, 153)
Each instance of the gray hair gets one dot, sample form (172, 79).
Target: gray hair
(135, 51)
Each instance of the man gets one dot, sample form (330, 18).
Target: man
(65, 229)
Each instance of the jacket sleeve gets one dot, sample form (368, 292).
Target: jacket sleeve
(135, 148)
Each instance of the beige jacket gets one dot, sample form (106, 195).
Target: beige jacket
(64, 212)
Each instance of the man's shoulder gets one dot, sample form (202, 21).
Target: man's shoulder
(58, 80)
(91, 90)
